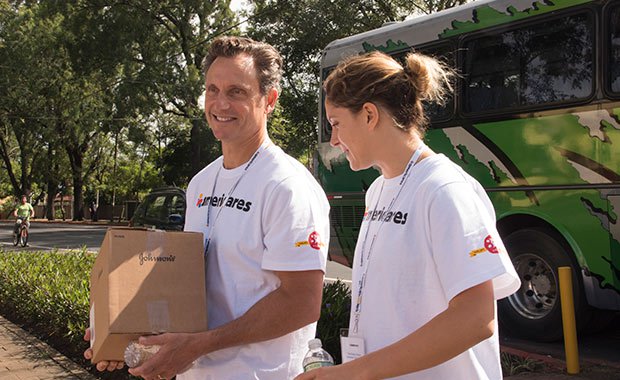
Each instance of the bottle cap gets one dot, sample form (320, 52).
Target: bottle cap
(315, 343)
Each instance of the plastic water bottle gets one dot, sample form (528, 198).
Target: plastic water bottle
(136, 353)
(316, 357)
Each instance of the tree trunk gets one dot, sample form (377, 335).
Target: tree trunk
(52, 187)
(195, 146)
(52, 183)
(78, 196)
(4, 152)
(25, 179)
(76, 158)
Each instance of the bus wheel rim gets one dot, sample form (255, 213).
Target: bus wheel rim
(539, 287)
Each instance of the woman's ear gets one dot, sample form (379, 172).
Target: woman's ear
(371, 115)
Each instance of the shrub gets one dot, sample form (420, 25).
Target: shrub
(513, 365)
(48, 293)
(335, 312)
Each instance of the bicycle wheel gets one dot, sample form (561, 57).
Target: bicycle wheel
(24, 236)
(15, 238)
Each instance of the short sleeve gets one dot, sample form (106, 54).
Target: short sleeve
(465, 243)
(296, 226)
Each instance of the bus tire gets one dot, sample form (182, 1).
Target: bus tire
(534, 311)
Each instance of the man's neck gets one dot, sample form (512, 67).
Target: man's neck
(237, 154)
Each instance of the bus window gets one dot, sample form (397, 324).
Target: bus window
(325, 134)
(434, 111)
(537, 64)
(614, 56)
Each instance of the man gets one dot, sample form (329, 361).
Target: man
(265, 223)
(23, 211)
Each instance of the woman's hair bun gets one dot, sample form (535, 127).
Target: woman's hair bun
(429, 76)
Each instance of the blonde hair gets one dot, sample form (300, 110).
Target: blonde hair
(400, 89)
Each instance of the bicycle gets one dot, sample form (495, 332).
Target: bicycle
(20, 234)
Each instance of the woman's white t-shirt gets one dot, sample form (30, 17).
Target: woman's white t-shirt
(438, 240)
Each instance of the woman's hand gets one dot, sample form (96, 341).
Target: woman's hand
(338, 372)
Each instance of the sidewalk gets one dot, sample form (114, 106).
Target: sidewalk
(24, 357)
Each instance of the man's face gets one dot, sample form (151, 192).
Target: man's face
(24, 200)
(234, 106)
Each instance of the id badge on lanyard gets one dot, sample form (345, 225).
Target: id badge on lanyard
(352, 347)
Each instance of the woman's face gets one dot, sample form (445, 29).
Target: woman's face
(349, 133)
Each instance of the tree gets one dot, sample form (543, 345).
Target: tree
(23, 83)
(170, 51)
(102, 69)
(301, 30)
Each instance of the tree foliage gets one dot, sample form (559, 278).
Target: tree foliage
(301, 30)
(103, 95)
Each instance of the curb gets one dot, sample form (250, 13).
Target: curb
(557, 363)
(82, 222)
(548, 360)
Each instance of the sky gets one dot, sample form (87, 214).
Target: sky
(236, 5)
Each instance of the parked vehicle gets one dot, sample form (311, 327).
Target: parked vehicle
(535, 118)
(163, 209)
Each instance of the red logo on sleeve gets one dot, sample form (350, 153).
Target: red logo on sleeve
(314, 241)
(488, 244)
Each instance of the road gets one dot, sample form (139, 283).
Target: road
(56, 235)
(46, 236)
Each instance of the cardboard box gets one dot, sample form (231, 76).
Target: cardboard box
(144, 282)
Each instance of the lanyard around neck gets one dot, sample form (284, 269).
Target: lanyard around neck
(362, 282)
(263, 147)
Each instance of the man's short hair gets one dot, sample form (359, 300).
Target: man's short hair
(267, 60)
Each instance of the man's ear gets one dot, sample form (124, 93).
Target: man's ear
(371, 115)
(272, 98)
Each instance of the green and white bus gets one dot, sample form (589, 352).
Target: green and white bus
(536, 119)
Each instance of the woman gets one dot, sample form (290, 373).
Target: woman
(429, 263)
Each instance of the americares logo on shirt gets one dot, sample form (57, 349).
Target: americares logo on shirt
(398, 217)
(232, 202)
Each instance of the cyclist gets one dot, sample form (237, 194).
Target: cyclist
(24, 211)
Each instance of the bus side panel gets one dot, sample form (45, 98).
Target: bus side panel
(558, 151)
(335, 175)
(605, 299)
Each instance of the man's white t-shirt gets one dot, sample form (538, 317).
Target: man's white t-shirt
(438, 240)
(276, 219)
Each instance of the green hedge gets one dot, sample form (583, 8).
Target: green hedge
(335, 311)
(48, 293)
